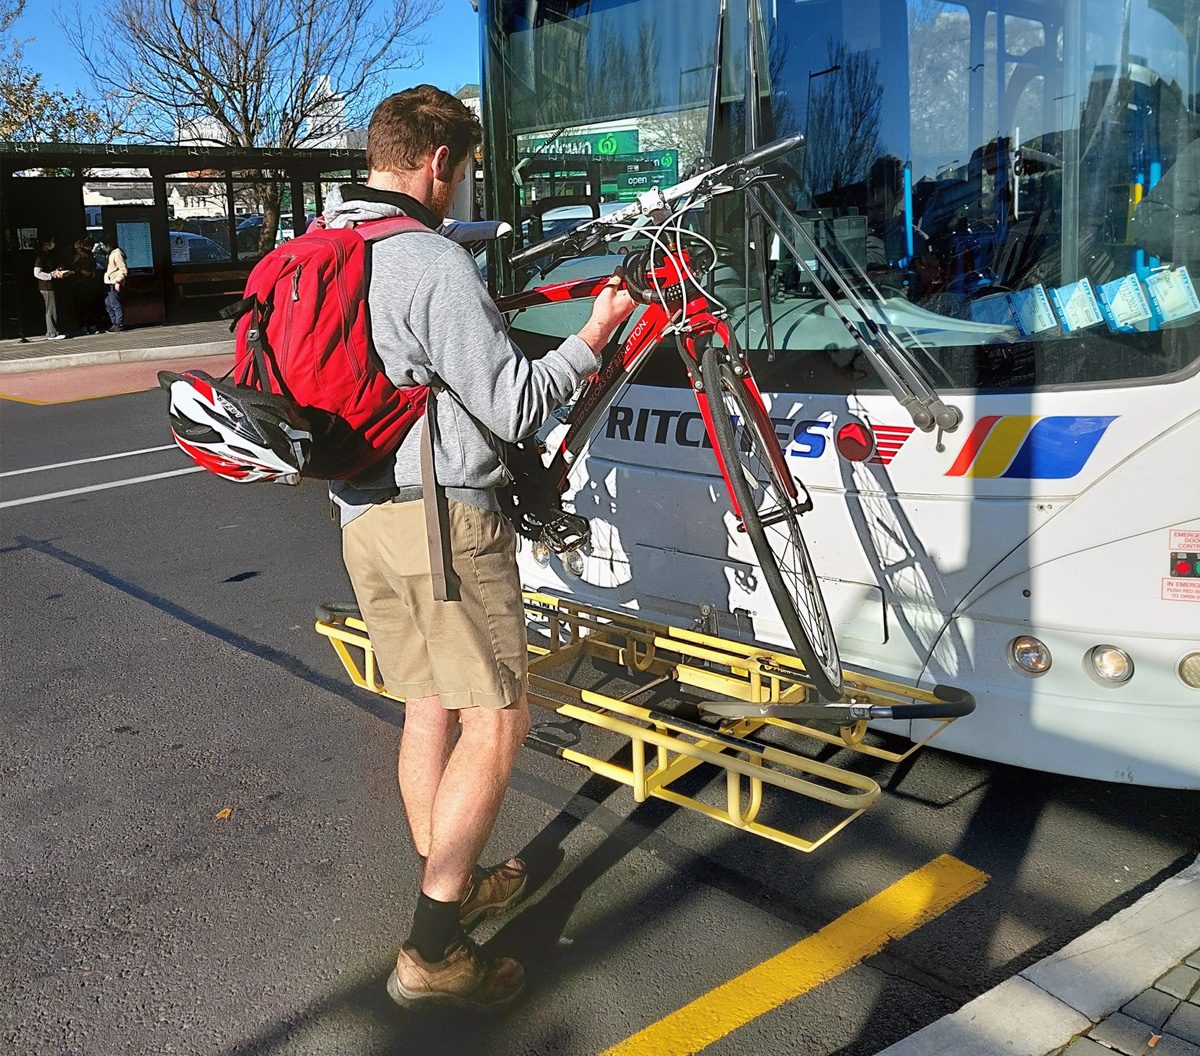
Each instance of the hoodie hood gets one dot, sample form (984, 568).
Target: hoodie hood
(348, 204)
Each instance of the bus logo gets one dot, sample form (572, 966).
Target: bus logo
(1029, 446)
(876, 445)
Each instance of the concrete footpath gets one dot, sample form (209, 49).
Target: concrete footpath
(1122, 987)
(182, 341)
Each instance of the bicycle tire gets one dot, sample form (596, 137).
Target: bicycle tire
(779, 546)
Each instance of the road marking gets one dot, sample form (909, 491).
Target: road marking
(99, 487)
(81, 461)
(72, 399)
(893, 913)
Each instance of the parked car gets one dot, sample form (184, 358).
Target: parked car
(214, 227)
(189, 248)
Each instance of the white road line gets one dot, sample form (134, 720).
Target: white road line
(81, 461)
(100, 487)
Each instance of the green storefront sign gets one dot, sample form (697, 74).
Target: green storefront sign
(602, 143)
(657, 168)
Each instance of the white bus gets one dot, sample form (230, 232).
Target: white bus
(1011, 189)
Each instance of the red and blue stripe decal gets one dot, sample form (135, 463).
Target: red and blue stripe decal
(1029, 447)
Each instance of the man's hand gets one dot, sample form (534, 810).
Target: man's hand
(611, 308)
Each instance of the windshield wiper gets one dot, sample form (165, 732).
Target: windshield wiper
(894, 364)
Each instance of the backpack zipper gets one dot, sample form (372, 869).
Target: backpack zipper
(344, 297)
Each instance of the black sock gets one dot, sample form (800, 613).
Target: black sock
(434, 927)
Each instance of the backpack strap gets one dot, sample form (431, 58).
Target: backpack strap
(437, 507)
(385, 227)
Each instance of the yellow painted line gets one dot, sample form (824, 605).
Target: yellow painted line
(73, 399)
(893, 913)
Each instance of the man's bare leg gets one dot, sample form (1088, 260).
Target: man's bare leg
(425, 745)
(469, 795)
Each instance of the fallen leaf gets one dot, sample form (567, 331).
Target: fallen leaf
(224, 814)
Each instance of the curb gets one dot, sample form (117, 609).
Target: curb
(1043, 1007)
(123, 355)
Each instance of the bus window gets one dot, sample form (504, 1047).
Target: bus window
(1012, 185)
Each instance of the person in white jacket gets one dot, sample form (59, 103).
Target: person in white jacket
(115, 274)
(47, 272)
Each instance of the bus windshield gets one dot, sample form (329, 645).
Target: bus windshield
(1014, 183)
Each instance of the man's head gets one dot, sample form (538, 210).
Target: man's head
(420, 141)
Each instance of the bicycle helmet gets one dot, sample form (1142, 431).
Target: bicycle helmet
(237, 432)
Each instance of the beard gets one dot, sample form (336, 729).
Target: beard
(443, 199)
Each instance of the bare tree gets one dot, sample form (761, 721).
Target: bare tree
(248, 73)
(843, 127)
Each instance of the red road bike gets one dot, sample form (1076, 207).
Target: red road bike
(667, 276)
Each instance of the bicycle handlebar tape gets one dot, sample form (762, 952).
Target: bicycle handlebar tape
(770, 152)
(540, 249)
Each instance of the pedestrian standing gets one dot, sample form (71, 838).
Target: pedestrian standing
(48, 275)
(461, 665)
(86, 288)
(115, 274)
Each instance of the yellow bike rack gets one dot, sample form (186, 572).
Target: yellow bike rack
(665, 747)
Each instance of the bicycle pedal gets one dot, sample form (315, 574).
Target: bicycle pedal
(566, 533)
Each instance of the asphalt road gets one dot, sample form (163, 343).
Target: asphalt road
(160, 667)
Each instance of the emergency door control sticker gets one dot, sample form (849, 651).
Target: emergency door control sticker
(1182, 582)
(1181, 590)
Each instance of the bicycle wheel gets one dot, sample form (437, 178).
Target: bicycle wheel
(771, 522)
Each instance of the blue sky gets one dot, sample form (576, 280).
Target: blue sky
(451, 58)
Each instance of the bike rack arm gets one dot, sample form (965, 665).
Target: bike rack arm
(953, 704)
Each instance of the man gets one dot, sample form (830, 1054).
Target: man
(115, 274)
(460, 665)
(47, 272)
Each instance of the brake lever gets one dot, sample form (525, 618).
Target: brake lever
(758, 177)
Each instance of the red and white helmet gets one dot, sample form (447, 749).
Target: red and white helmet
(237, 432)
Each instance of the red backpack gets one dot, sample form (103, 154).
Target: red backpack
(303, 332)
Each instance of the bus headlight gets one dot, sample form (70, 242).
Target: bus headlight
(1029, 655)
(541, 553)
(1189, 670)
(1111, 665)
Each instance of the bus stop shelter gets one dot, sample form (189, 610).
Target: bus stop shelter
(192, 220)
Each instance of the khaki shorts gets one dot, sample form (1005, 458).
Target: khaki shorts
(471, 653)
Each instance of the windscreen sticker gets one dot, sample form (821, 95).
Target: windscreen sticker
(1123, 302)
(1028, 447)
(1171, 295)
(1076, 306)
(1031, 310)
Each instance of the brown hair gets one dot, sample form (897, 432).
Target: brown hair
(406, 128)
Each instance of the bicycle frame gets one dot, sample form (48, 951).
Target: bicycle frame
(600, 391)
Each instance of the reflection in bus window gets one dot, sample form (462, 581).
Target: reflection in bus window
(964, 159)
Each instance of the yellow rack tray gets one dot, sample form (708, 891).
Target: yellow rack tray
(750, 688)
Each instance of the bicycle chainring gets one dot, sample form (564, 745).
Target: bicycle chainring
(533, 504)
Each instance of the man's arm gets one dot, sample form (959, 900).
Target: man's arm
(457, 323)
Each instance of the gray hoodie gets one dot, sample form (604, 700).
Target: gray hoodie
(431, 315)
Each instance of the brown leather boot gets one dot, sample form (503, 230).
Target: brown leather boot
(461, 979)
(491, 892)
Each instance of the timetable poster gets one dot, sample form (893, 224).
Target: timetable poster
(134, 240)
